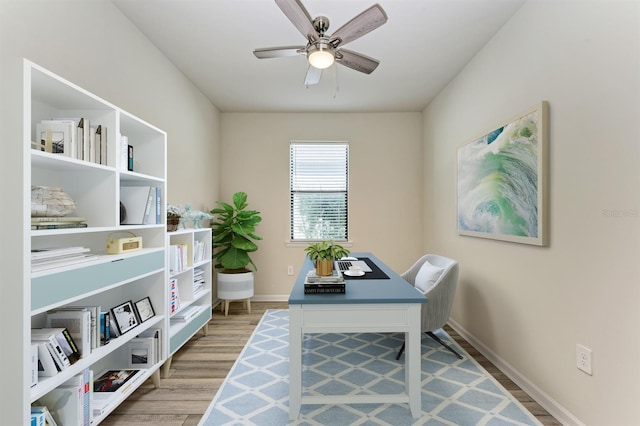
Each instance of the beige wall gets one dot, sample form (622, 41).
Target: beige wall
(385, 215)
(93, 45)
(528, 305)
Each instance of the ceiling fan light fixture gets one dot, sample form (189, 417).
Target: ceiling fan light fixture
(321, 56)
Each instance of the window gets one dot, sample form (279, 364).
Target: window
(319, 183)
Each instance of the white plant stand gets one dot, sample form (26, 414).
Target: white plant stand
(235, 287)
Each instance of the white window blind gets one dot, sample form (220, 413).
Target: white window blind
(319, 184)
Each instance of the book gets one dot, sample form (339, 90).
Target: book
(324, 289)
(135, 200)
(130, 158)
(158, 205)
(58, 225)
(101, 141)
(57, 219)
(313, 278)
(84, 383)
(124, 142)
(57, 263)
(66, 404)
(34, 364)
(150, 209)
(186, 314)
(65, 341)
(46, 365)
(84, 135)
(105, 328)
(113, 327)
(52, 342)
(111, 381)
(174, 296)
(77, 322)
(42, 253)
(43, 415)
(94, 312)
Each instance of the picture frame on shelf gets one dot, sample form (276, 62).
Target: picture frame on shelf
(142, 352)
(125, 317)
(144, 309)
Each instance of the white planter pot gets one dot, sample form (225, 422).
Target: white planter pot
(235, 286)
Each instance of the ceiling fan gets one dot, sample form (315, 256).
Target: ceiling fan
(322, 50)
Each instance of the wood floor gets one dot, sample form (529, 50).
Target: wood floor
(199, 368)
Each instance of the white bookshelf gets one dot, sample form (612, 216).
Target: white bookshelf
(109, 280)
(195, 247)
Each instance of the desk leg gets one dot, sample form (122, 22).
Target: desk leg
(412, 370)
(295, 360)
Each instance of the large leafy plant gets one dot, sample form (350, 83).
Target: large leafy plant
(233, 234)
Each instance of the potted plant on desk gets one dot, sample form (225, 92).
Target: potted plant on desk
(233, 234)
(323, 253)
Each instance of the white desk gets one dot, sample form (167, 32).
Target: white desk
(369, 305)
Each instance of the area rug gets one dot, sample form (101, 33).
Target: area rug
(454, 391)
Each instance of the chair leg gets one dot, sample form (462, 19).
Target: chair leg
(400, 352)
(439, 340)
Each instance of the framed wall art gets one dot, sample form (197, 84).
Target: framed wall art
(502, 181)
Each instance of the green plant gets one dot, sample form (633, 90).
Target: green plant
(327, 250)
(233, 231)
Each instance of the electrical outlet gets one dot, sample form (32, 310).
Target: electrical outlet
(290, 270)
(583, 359)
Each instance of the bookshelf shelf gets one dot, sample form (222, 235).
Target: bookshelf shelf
(189, 261)
(94, 182)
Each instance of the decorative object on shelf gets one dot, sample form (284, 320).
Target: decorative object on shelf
(123, 245)
(144, 308)
(123, 213)
(233, 231)
(125, 317)
(51, 201)
(173, 218)
(187, 214)
(323, 254)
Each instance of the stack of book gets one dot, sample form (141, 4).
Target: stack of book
(186, 314)
(198, 280)
(332, 284)
(55, 257)
(73, 137)
(54, 222)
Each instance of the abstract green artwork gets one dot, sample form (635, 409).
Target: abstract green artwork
(501, 182)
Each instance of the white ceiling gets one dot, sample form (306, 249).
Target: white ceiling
(423, 45)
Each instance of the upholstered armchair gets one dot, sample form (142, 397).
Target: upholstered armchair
(436, 277)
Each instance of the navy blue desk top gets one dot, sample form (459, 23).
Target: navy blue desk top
(393, 290)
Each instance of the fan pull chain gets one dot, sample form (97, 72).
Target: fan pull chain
(335, 81)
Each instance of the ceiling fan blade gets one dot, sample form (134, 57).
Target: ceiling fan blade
(299, 17)
(278, 52)
(362, 24)
(356, 61)
(313, 76)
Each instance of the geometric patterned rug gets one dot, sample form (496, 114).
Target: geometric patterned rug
(454, 391)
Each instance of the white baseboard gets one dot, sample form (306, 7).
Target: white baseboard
(560, 413)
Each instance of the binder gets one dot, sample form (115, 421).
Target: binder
(135, 200)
